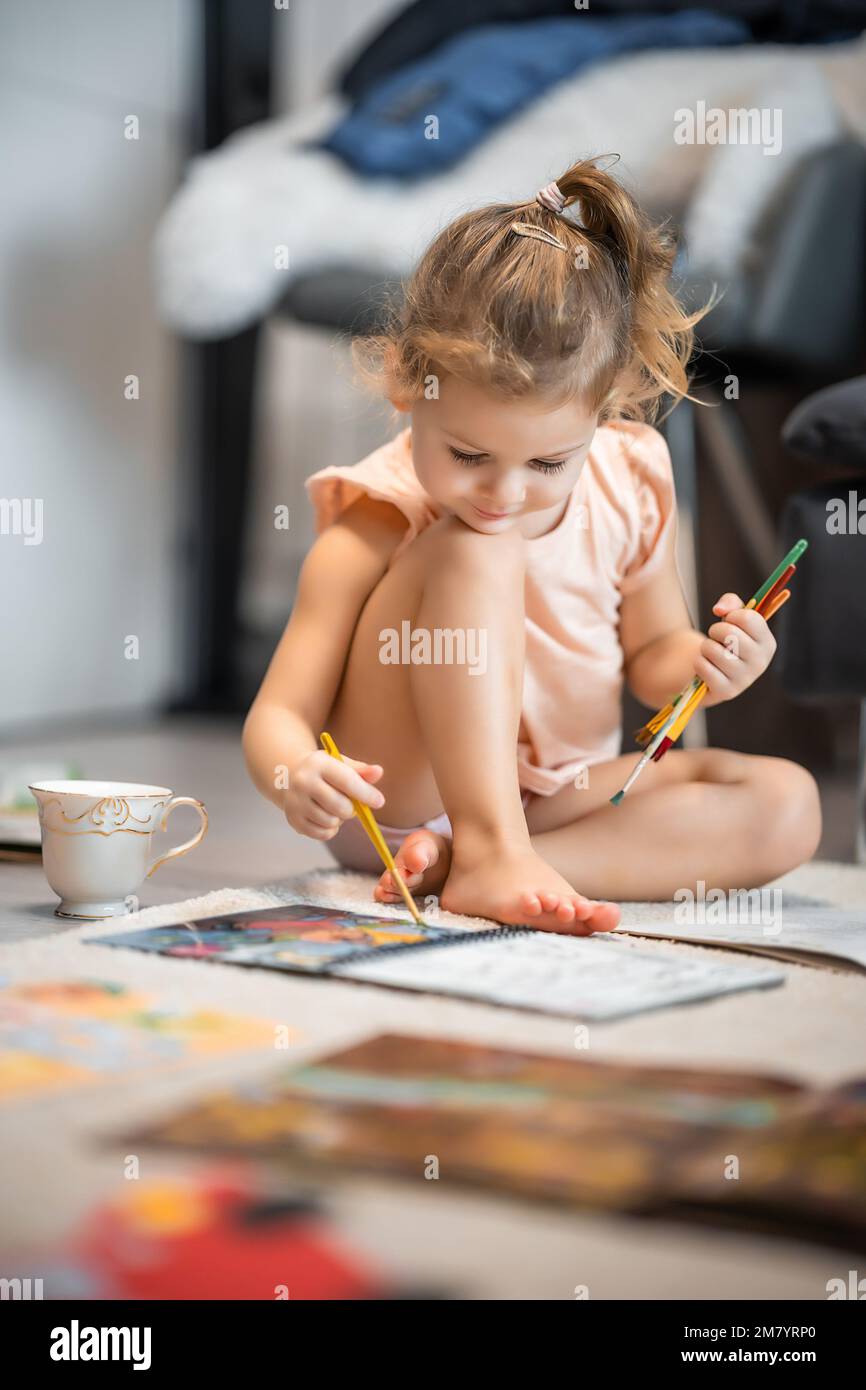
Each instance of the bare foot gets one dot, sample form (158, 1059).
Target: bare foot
(514, 885)
(423, 859)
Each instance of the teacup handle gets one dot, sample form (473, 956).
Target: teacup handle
(190, 844)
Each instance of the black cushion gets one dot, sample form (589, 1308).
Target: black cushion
(353, 299)
(798, 300)
(820, 629)
(830, 426)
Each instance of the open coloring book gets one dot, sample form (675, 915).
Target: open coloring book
(808, 935)
(596, 977)
(609, 1135)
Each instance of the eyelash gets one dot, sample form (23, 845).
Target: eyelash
(541, 467)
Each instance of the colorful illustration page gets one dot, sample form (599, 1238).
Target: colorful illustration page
(578, 977)
(214, 1239)
(295, 937)
(550, 1126)
(54, 1034)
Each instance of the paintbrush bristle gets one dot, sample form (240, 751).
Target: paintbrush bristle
(615, 800)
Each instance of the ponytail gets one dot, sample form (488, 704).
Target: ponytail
(496, 301)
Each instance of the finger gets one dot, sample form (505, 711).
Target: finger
(331, 802)
(725, 658)
(756, 653)
(371, 772)
(719, 686)
(733, 641)
(352, 784)
(727, 602)
(317, 832)
(324, 819)
(748, 620)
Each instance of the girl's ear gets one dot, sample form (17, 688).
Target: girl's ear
(402, 407)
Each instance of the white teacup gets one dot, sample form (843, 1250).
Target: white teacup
(96, 841)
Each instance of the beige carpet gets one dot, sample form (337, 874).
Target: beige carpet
(811, 1027)
(64, 1151)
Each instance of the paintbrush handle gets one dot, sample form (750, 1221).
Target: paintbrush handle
(778, 602)
(368, 821)
(768, 599)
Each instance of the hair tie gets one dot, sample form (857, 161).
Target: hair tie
(551, 197)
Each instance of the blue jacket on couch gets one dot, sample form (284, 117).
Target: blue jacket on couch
(478, 79)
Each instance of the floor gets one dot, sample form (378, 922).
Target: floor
(60, 1154)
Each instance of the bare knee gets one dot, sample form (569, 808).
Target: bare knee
(454, 543)
(786, 813)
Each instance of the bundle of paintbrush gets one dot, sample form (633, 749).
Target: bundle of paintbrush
(665, 727)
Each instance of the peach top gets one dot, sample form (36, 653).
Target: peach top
(608, 543)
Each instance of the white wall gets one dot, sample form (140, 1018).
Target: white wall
(308, 414)
(79, 206)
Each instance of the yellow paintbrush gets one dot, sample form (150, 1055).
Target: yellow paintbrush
(368, 820)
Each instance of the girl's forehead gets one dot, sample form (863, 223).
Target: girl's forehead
(490, 423)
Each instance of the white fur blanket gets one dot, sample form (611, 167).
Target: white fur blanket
(215, 248)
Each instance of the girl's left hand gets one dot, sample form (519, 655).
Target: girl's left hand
(736, 651)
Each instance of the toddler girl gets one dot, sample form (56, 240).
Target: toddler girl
(482, 586)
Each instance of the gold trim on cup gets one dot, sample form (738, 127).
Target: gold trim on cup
(190, 844)
(97, 814)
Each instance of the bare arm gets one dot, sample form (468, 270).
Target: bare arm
(662, 650)
(340, 571)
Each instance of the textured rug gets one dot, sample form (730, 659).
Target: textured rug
(810, 1028)
(842, 885)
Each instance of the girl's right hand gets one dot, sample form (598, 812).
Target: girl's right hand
(320, 792)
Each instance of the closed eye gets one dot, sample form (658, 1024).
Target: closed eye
(540, 465)
(468, 459)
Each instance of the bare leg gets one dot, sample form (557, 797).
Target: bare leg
(439, 726)
(729, 819)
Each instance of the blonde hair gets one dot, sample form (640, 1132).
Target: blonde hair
(518, 314)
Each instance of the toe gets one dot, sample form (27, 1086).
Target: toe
(385, 890)
(531, 904)
(418, 852)
(605, 917)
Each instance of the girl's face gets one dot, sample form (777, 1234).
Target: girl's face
(495, 463)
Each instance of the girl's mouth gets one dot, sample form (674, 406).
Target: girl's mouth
(492, 516)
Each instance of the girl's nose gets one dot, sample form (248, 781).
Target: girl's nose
(505, 500)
